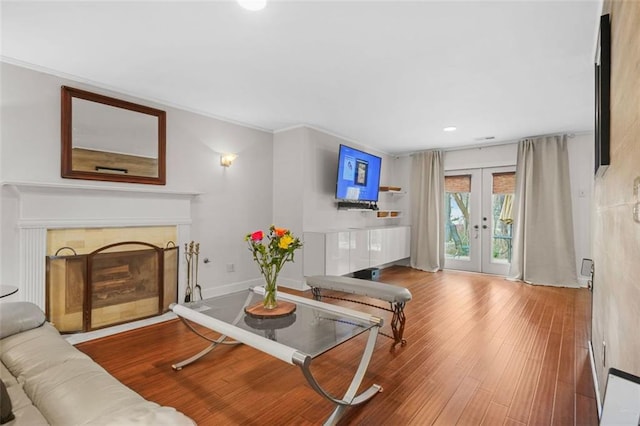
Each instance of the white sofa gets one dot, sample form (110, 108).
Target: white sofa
(49, 382)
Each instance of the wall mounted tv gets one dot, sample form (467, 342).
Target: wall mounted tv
(358, 175)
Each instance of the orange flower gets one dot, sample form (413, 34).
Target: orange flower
(280, 231)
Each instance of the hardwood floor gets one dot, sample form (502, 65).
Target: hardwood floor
(481, 350)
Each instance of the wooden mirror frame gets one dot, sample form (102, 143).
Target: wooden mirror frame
(68, 93)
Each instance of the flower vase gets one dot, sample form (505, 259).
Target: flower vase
(270, 300)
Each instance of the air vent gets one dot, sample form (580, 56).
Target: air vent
(486, 138)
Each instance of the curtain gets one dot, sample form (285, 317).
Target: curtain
(543, 248)
(427, 221)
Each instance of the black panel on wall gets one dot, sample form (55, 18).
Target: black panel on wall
(603, 96)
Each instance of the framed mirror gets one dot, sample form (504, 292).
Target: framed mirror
(109, 139)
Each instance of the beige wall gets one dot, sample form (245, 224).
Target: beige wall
(616, 237)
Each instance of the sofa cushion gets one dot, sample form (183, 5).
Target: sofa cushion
(28, 353)
(51, 382)
(146, 413)
(6, 410)
(24, 411)
(16, 317)
(6, 376)
(77, 392)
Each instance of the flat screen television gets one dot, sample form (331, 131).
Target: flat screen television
(358, 175)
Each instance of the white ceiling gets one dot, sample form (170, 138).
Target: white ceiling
(386, 74)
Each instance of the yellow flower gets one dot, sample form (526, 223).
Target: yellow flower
(285, 241)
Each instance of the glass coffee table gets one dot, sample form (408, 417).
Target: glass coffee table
(313, 329)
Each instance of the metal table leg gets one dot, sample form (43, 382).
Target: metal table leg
(219, 341)
(350, 398)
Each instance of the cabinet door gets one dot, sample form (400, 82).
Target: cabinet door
(405, 242)
(337, 253)
(313, 254)
(359, 253)
(398, 243)
(388, 245)
(377, 246)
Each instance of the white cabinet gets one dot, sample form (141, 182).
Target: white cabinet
(337, 253)
(343, 252)
(388, 244)
(326, 253)
(359, 250)
(401, 244)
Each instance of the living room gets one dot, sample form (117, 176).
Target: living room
(286, 176)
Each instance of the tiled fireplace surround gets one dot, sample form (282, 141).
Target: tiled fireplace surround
(42, 207)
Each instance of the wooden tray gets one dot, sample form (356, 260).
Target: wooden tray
(282, 310)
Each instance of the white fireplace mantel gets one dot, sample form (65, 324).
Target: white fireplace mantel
(41, 207)
(149, 189)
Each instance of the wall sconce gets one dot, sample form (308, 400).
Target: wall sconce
(253, 5)
(227, 159)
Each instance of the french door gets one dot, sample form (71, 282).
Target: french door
(479, 220)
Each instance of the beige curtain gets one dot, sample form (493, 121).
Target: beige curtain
(543, 250)
(427, 221)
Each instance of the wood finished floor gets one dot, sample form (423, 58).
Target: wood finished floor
(481, 350)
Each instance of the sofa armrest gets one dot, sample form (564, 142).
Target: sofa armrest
(16, 317)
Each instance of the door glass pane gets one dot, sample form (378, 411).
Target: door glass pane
(503, 187)
(457, 194)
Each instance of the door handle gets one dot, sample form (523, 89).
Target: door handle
(484, 226)
(475, 226)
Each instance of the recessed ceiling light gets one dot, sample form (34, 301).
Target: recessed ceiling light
(253, 4)
(450, 129)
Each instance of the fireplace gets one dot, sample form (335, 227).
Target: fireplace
(115, 284)
(86, 217)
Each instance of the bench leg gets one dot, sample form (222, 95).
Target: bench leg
(397, 324)
(317, 293)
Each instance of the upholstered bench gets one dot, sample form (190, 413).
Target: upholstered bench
(396, 296)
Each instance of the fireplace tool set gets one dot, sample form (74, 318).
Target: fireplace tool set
(192, 254)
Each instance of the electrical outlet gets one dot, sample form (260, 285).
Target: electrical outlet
(231, 267)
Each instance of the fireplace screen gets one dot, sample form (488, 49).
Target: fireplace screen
(115, 284)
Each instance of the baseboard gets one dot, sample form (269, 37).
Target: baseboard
(293, 284)
(231, 288)
(244, 285)
(595, 379)
(76, 338)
